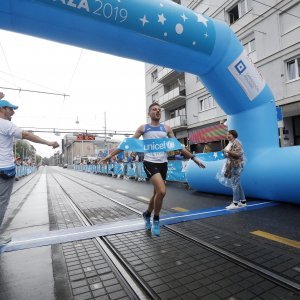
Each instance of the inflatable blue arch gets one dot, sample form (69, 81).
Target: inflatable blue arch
(163, 33)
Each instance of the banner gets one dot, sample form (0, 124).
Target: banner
(150, 145)
(211, 156)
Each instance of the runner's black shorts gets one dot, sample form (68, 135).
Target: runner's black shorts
(154, 168)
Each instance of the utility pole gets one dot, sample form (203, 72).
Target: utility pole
(105, 130)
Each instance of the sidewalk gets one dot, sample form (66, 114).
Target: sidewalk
(27, 274)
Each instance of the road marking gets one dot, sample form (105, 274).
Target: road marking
(143, 198)
(106, 186)
(179, 209)
(277, 238)
(121, 191)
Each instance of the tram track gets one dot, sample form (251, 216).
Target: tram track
(140, 290)
(244, 263)
(33, 176)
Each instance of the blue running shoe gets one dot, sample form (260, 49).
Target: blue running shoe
(155, 228)
(147, 221)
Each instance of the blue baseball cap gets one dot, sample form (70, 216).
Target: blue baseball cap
(4, 103)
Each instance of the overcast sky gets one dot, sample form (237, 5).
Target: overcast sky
(96, 83)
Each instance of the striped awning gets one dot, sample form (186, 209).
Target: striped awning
(208, 134)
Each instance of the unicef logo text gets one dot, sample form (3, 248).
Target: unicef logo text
(160, 145)
(170, 145)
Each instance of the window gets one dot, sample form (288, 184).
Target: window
(180, 111)
(237, 11)
(206, 103)
(243, 7)
(296, 127)
(250, 46)
(233, 14)
(154, 76)
(170, 87)
(155, 97)
(293, 69)
(289, 19)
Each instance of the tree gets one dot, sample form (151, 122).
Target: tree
(24, 150)
(38, 159)
(46, 161)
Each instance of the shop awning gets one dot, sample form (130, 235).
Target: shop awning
(208, 134)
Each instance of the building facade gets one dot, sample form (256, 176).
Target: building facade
(83, 148)
(270, 33)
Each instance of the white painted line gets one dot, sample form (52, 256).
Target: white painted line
(144, 198)
(110, 227)
(121, 191)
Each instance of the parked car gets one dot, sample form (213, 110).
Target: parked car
(65, 166)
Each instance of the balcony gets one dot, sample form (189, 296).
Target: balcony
(174, 97)
(166, 75)
(177, 123)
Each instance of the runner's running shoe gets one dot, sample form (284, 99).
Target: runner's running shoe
(155, 228)
(147, 221)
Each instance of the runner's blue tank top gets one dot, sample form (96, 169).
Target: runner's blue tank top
(155, 132)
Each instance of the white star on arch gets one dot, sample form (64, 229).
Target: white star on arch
(206, 35)
(144, 20)
(161, 19)
(201, 19)
(184, 17)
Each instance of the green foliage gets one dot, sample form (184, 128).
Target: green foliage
(24, 149)
(38, 159)
(46, 161)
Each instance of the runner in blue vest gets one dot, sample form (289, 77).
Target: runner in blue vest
(155, 164)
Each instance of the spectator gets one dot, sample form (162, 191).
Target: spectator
(9, 131)
(233, 169)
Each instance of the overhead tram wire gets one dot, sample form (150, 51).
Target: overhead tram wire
(277, 9)
(34, 91)
(8, 66)
(75, 69)
(19, 89)
(79, 131)
(271, 7)
(257, 15)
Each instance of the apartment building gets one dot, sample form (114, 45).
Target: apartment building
(78, 148)
(270, 33)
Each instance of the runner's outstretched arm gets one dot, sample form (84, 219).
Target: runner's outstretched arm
(184, 151)
(136, 135)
